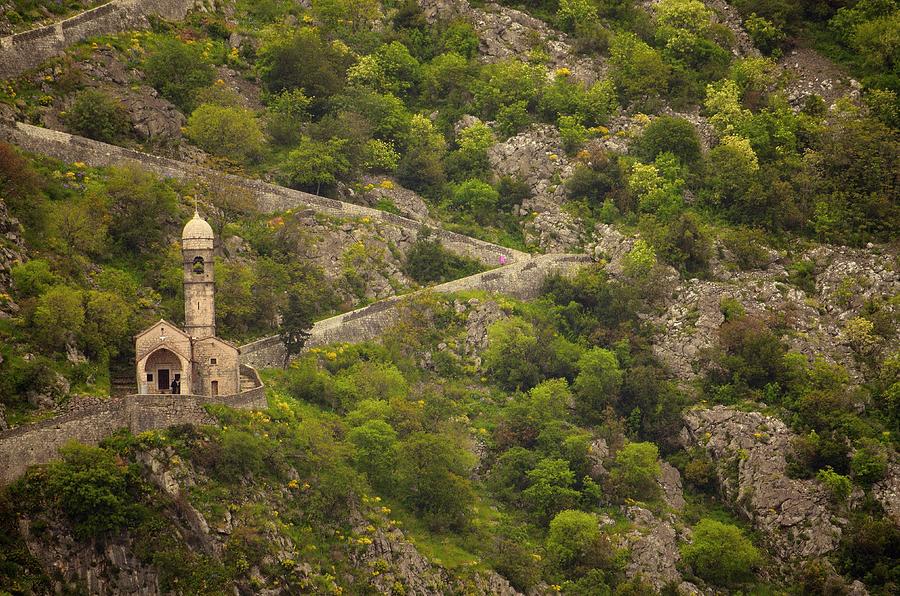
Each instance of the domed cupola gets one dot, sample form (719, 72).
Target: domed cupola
(197, 234)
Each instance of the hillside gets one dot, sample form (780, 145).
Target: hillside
(712, 405)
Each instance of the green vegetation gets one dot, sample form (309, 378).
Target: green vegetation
(362, 439)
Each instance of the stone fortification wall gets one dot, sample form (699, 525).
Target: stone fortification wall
(39, 443)
(28, 49)
(520, 280)
(269, 197)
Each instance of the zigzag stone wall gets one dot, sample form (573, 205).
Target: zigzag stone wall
(28, 49)
(39, 443)
(269, 197)
(520, 280)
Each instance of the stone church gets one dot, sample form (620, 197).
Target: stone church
(190, 360)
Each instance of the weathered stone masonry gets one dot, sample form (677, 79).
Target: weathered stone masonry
(28, 49)
(39, 443)
(521, 280)
(269, 197)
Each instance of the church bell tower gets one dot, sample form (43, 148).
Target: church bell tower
(197, 241)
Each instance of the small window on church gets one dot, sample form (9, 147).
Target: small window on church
(213, 361)
(149, 377)
(198, 265)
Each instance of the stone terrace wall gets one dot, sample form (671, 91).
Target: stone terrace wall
(269, 197)
(520, 280)
(39, 443)
(28, 49)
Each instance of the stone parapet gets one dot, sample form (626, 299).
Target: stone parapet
(39, 443)
(28, 49)
(520, 280)
(269, 197)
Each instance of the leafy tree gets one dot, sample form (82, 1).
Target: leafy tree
(94, 491)
(107, 324)
(505, 83)
(296, 324)
(376, 445)
(353, 16)
(286, 113)
(752, 353)
(231, 132)
(33, 278)
(638, 70)
(512, 354)
(58, 317)
(96, 115)
(301, 59)
(178, 70)
(475, 197)
(869, 462)
(427, 261)
(669, 134)
(432, 479)
(636, 471)
(766, 35)
(598, 381)
(314, 164)
(551, 488)
(422, 167)
(575, 14)
(720, 553)
(575, 543)
(140, 207)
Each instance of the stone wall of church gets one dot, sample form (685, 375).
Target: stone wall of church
(39, 443)
(225, 370)
(269, 197)
(28, 49)
(521, 280)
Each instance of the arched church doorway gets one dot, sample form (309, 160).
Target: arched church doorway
(163, 372)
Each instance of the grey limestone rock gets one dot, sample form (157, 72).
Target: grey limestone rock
(749, 449)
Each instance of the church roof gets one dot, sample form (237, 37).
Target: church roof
(197, 229)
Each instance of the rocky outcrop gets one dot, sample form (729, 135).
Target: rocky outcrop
(808, 74)
(887, 492)
(845, 280)
(12, 253)
(505, 33)
(369, 255)
(749, 449)
(481, 316)
(536, 156)
(378, 188)
(105, 568)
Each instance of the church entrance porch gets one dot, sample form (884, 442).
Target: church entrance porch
(162, 373)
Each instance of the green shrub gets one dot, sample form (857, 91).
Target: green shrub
(575, 543)
(376, 451)
(428, 261)
(838, 486)
(748, 247)
(551, 488)
(669, 134)
(231, 132)
(869, 462)
(476, 198)
(432, 478)
(95, 492)
(513, 353)
(636, 471)
(314, 165)
(598, 381)
(178, 70)
(720, 553)
(301, 59)
(96, 115)
(58, 317)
